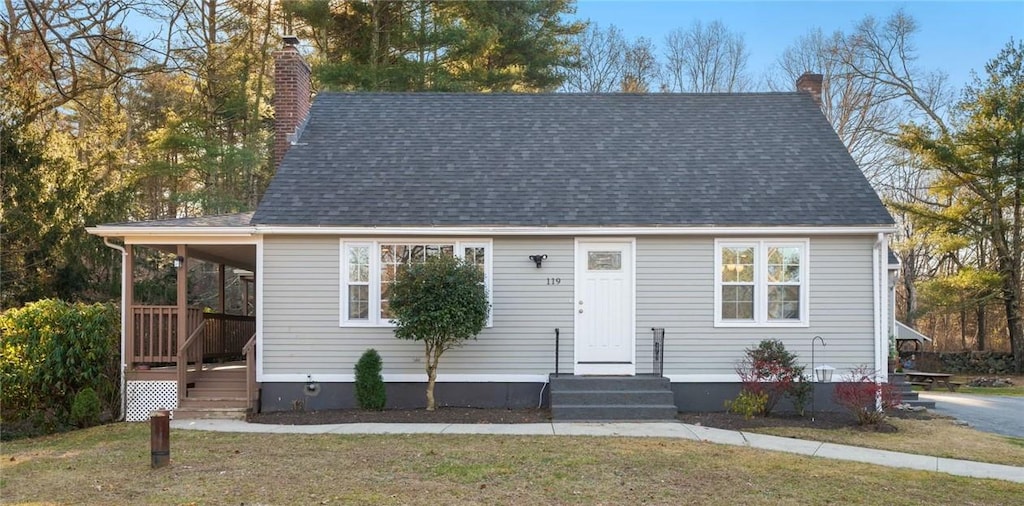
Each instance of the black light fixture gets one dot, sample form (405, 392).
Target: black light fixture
(179, 261)
(537, 259)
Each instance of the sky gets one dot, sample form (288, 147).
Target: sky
(954, 37)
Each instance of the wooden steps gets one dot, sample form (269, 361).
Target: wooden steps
(217, 393)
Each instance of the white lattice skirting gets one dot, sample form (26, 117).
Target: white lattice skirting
(145, 397)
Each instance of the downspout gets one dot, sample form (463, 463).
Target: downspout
(883, 292)
(876, 289)
(124, 314)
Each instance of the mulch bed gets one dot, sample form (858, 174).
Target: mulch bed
(440, 415)
(732, 421)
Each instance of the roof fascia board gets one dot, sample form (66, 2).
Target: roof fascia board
(578, 231)
(189, 239)
(144, 231)
(141, 234)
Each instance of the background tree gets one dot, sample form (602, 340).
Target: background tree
(441, 302)
(978, 176)
(438, 46)
(601, 59)
(706, 59)
(640, 66)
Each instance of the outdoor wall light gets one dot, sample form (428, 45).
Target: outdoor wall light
(538, 259)
(179, 261)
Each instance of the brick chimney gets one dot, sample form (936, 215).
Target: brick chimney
(291, 96)
(810, 83)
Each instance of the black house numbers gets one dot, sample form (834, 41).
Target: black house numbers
(554, 281)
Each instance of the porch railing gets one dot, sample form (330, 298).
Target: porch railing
(155, 335)
(226, 334)
(190, 351)
(251, 387)
(658, 352)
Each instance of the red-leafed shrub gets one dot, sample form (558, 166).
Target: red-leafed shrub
(864, 397)
(770, 371)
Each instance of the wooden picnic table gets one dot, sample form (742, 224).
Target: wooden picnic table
(928, 380)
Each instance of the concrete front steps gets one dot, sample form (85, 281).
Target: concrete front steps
(217, 394)
(611, 398)
(907, 394)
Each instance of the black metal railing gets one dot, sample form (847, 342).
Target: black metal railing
(658, 365)
(556, 351)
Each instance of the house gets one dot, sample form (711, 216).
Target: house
(721, 219)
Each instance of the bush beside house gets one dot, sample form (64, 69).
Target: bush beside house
(50, 351)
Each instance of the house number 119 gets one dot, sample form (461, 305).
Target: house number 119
(554, 281)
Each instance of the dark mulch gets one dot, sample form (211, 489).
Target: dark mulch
(440, 415)
(820, 420)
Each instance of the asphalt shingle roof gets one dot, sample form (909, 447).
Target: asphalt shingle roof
(425, 159)
(213, 220)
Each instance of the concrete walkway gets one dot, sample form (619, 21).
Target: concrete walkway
(653, 429)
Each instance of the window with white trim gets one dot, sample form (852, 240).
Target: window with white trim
(370, 268)
(761, 283)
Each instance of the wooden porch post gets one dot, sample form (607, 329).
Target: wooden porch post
(182, 331)
(220, 288)
(128, 296)
(220, 307)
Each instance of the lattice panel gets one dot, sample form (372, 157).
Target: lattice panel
(147, 396)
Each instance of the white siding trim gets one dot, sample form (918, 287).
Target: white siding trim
(145, 239)
(259, 308)
(703, 378)
(410, 378)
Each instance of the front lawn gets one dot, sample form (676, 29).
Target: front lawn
(939, 437)
(110, 465)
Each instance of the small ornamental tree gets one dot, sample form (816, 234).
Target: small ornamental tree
(442, 303)
(370, 392)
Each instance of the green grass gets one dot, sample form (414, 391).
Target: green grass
(110, 465)
(918, 437)
(1014, 391)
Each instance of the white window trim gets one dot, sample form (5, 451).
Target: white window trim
(374, 319)
(761, 283)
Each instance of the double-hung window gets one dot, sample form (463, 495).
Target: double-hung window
(369, 268)
(761, 282)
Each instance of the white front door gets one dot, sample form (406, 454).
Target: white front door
(604, 325)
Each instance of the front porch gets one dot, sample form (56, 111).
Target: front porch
(195, 360)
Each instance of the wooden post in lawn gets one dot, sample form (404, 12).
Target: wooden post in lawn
(160, 438)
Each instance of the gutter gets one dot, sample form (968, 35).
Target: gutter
(124, 314)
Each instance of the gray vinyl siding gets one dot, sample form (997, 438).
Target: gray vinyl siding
(301, 313)
(674, 290)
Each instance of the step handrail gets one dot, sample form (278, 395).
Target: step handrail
(182, 360)
(249, 350)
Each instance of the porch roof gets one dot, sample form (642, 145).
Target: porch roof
(233, 220)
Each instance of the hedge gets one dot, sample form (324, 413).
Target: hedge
(49, 351)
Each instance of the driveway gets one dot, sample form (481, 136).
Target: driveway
(990, 413)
